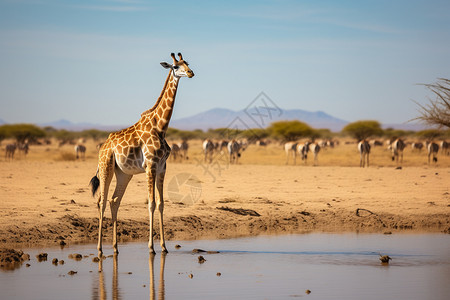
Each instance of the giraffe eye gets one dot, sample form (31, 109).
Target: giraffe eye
(176, 67)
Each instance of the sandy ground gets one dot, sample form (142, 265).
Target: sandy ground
(45, 201)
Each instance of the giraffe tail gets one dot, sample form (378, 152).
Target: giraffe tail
(94, 183)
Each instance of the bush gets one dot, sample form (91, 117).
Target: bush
(289, 130)
(361, 130)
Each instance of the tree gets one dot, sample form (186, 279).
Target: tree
(437, 111)
(23, 132)
(289, 130)
(95, 134)
(361, 130)
(3, 133)
(429, 134)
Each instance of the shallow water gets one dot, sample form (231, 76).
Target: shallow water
(331, 266)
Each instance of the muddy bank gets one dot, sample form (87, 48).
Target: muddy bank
(49, 203)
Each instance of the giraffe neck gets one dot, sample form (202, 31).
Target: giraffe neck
(158, 117)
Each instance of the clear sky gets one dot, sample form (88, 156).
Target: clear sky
(98, 61)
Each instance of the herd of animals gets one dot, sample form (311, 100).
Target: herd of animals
(234, 148)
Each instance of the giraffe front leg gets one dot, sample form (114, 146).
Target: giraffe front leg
(160, 205)
(151, 206)
(101, 210)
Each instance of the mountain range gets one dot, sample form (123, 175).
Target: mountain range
(255, 117)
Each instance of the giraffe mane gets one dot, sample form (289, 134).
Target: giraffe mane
(159, 98)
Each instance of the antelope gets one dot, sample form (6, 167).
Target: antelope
(433, 150)
(364, 151)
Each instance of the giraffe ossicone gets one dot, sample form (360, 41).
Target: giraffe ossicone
(141, 148)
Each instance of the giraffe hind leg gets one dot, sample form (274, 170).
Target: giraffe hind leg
(105, 175)
(121, 185)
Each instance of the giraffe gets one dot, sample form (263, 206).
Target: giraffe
(141, 148)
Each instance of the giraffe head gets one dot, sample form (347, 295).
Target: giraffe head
(180, 67)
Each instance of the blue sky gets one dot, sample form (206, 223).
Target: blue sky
(97, 61)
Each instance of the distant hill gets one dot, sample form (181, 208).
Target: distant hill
(253, 118)
(65, 124)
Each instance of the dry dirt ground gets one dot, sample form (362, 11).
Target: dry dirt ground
(45, 198)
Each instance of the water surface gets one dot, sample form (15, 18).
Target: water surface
(331, 266)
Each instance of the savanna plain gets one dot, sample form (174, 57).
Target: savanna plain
(46, 198)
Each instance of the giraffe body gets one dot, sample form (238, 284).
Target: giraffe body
(141, 148)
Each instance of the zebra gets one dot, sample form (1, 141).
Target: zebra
(175, 152)
(222, 144)
(445, 149)
(315, 149)
(23, 147)
(302, 150)
(364, 151)
(233, 150)
(208, 150)
(288, 148)
(417, 146)
(397, 148)
(80, 151)
(10, 150)
(184, 146)
(433, 150)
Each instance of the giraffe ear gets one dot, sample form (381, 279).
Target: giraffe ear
(166, 65)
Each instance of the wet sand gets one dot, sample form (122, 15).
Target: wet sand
(44, 202)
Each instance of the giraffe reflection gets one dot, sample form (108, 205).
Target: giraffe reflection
(101, 293)
(161, 289)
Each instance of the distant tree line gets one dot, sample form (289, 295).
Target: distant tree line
(281, 131)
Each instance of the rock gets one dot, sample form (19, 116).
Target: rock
(55, 261)
(42, 257)
(385, 259)
(76, 256)
(201, 259)
(10, 258)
